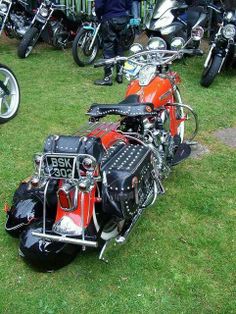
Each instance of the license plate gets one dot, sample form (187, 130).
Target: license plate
(61, 167)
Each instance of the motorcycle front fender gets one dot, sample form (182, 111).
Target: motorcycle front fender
(89, 28)
(209, 56)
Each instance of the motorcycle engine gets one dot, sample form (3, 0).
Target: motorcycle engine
(18, 26)
(157, 136)
(155, 133)
(60, 34)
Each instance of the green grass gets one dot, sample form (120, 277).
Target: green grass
(181, 257)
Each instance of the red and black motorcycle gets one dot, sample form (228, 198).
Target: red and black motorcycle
(92, 187)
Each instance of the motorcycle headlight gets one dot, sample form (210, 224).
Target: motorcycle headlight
(177, 43)
(229, 16)
(197, 33)
(44, 12)
(229, 31)
(136, 47)
(157, 43)
(3, 7)
(146, 74)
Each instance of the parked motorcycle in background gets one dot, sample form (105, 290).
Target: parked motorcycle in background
(9, 94)
(15, 17)
(51, 24)
(223, 47)
(88, 41)
(91, 188)
(171, 22)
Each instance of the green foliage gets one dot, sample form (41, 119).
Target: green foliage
(181, 256)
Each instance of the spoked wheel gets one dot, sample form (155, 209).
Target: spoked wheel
(111, 229)
(9, 94)
(188, 128)
(28, 42)
(83, 52)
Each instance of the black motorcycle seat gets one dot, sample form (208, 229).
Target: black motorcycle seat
(130, 107)
(131, 99)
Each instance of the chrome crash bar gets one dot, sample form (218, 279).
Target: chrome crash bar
(65, 239)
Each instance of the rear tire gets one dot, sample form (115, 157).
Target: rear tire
(28, 42)
(211, 71)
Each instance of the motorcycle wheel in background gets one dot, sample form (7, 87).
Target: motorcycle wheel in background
(9, 94)
(211, 71)
(81, 51)
(26, 45)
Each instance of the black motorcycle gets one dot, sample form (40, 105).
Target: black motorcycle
(15, 18)
(53, 25)
(88, 41)
(223, 47)
(172, 21)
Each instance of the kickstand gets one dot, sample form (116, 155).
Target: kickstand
(101, 255)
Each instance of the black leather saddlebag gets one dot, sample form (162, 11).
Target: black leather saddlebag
(74, 145)
(127, 180)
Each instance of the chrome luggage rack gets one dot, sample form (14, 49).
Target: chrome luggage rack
(45, 173)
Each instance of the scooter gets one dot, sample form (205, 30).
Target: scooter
(172, 22)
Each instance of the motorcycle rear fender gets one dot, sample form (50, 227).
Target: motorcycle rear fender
(83, 213)
(89, 28)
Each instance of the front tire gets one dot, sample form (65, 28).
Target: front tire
(9, 94)
(28, 42)
(80, 50)
(211, 71)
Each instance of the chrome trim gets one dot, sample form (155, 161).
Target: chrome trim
(62, 239)
(76, 163)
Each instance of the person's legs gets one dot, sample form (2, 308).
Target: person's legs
(109, 39)
(119, 26)
(136, 9)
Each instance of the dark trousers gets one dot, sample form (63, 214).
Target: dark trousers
(113, 34)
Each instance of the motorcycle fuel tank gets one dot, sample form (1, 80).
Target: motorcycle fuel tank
(158, 91)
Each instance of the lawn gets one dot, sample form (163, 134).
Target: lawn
(181, 257)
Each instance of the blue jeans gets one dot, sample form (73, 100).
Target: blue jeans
(136, 9)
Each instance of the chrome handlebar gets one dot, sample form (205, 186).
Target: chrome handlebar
(154, 57)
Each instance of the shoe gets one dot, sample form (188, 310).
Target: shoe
(107, 81)
(119, 78)
(119, 73)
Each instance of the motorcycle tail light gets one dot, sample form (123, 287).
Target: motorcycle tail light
(64, 199)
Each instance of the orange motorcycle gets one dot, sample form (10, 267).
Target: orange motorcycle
(91, 188)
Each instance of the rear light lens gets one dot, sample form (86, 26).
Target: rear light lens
(67, 197)
(64, 199)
